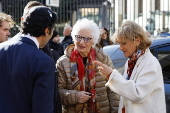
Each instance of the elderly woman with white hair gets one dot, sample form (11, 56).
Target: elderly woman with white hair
(81, 87)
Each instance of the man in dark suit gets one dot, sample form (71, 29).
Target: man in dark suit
(27, 78)
(28, 6)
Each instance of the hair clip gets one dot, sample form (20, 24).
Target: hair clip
(50, 13)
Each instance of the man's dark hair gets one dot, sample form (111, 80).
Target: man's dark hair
(37, 21)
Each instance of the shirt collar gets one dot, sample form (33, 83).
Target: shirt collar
(32, 38)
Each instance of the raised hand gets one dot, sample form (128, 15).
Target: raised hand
(104, 69)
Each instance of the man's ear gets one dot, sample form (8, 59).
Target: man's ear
(22, 18)
(47, 31)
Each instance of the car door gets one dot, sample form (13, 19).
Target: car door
(162, 53)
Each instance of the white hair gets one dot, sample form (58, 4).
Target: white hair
(85, 24)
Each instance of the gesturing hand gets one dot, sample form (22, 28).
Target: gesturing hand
(104, 69)
(83, 96)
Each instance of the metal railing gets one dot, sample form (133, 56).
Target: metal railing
(68, 12)
(152, 15)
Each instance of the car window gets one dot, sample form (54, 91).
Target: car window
(163, 55)
(119, 60)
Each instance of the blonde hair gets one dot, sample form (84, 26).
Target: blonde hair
(131, 30)
(6, 17)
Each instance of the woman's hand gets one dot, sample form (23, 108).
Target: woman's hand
(104, 69)
(83, 96)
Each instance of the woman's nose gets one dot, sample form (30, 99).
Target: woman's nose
(120, 47)
(82, 41)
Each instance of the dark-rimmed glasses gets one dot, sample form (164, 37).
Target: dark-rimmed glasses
(85, 39)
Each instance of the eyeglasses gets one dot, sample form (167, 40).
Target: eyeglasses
(85, 39)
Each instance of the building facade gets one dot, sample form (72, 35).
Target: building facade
(152, 15)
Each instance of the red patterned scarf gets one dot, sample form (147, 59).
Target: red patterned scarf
(131, 64)
(86, 75)
(132, 61)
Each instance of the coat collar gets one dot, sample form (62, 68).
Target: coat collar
(32, 38)
(99, 51)
(138, 63)
(18, 37)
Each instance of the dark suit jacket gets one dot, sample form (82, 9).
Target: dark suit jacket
(27, 78)
(67, 41)
(56, 50)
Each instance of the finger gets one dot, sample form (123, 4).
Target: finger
(84, 94)
(100, 68)
(83, 100)
(87, 96)
(98, 63)
(87, 93)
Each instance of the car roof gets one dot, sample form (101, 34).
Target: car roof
(156, 42)
(160, 41)
(110, 49)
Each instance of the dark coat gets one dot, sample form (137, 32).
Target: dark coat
(56, 50)
(67, 41)
(27, 78)
(46, 49)
(105, 42)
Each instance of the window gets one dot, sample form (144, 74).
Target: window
(157, 4)
(163, 55)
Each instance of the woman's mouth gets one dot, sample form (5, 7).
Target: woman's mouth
(82, 47)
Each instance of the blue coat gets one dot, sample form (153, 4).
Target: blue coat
(27, 78)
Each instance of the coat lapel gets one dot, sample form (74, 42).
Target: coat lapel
(135, 70)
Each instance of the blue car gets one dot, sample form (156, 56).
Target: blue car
(160, 48)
